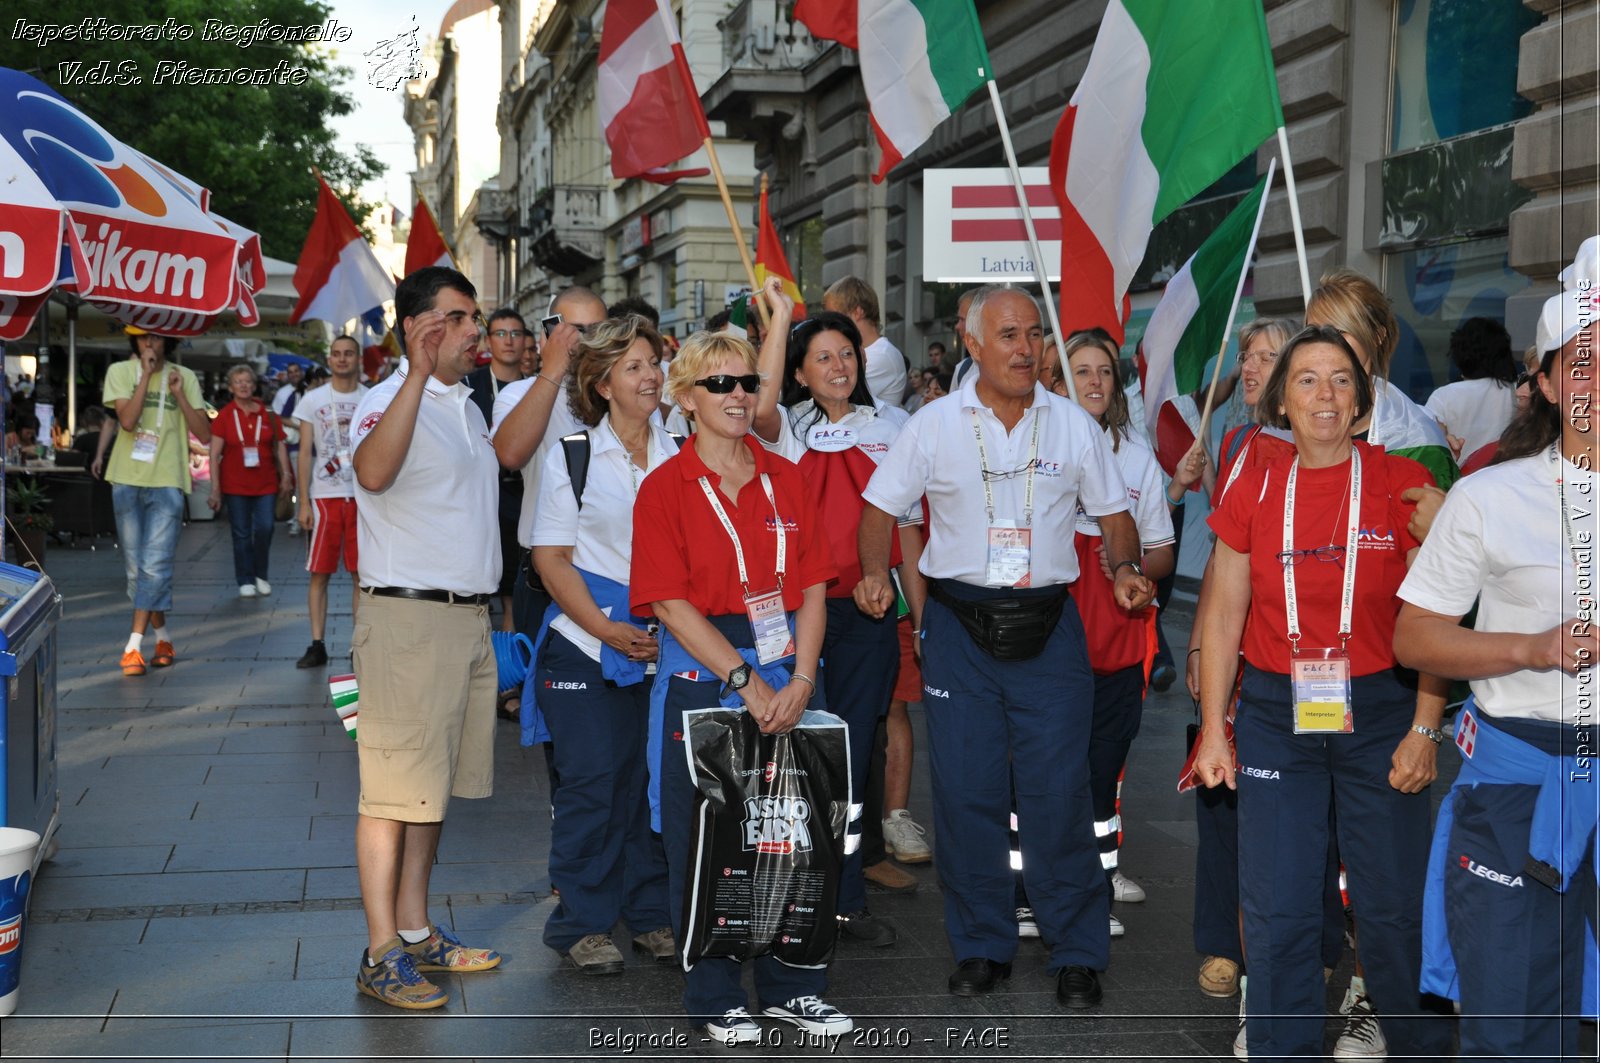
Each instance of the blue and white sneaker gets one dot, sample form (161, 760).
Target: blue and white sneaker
(736, 1027)
(813, 1015)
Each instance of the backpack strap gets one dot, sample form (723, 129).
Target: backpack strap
(576, 449)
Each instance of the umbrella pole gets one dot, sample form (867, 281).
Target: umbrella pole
(72, 369)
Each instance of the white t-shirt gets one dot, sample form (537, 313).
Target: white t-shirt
(936, 454)
(886, 372)
(1476, 410)
(1499, 539)
(1147, 498)
(437, 526)
(326, 416)
(280, 403)
(562, 423)
(601, 533)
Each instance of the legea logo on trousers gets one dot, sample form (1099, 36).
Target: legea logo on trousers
(1497, 877)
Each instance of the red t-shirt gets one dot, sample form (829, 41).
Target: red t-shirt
(1254, 447)
(1116, 638)
(238, 430)
(681, 550)
(1250, 520)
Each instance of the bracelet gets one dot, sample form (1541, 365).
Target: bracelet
(1194, 651)
(1432, 734)
(807, 680)
(547, 380)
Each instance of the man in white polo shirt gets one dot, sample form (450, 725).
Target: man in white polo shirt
(426, 498)
(886, 366)
(1007, 687)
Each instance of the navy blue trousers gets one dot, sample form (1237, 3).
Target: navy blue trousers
(1286, 785)
(1518, 949)
(1118, 710)
(607, 860)
(991, 723)
(712, 986)
(862, 657)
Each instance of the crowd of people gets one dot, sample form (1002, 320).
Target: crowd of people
(796, 526)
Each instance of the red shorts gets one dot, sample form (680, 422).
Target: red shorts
(908, 684)
(334, 531)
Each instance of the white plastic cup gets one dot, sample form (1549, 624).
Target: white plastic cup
(17, 849)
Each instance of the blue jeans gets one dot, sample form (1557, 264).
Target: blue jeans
(251, 518)
(148, 522)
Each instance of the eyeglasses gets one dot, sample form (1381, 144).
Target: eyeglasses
(994, 475)
(1321, 553)
(724, 383)
(456, 317)
(509, 333)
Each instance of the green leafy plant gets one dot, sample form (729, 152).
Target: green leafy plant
(28, 507)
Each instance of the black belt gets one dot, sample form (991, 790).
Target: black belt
(447, 597)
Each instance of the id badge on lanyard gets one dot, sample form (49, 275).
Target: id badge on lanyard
(146, 442)
(250, 454)
(769, 620)
(1009, 560)
(1319, 676)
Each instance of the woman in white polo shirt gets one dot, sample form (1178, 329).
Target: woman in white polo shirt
(1509, 912)
(592, 656)
(822, 417)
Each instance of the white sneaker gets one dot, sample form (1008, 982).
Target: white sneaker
(294, 527)
(1363, 1037)
(736, 1027)
(1241, 1049)
(264, 588)
(247, 590)
(813, 1015)
(1125, 889)
(1117, 929)
(905, 840)
(1027, 926)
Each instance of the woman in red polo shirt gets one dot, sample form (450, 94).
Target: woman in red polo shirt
(725, 528)
(249, 466)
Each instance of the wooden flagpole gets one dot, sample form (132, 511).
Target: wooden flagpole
(1233, 312)
(738, 232)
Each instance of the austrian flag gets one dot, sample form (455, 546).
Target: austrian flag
(649, 106)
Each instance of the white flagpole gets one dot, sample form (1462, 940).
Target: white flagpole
(1039, 269)
(1294, 216)
(1238, 293)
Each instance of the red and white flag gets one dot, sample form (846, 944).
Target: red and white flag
(338, 276)
(649, 108)
(426, 246)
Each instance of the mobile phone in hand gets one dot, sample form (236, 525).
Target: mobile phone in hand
(550, 323)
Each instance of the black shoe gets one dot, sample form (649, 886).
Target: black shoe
(1162, 678)
(978, 976)
(1078, 987)
(316, 656)
(872, 932)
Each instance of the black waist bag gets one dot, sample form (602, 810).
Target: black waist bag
(1007, 629)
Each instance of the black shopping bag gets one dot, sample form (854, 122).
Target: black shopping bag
(768, 839)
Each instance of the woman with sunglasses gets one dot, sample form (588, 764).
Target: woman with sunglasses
(735, 564)
(1121, 644)
(1509, 919)
(1310, 551)
(822, 417)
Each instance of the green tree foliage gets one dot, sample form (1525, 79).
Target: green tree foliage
(252, 145)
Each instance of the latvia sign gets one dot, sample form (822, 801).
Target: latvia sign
(972, 229)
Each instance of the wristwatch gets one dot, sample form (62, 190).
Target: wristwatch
(1138, 570)
(1432, 734)
(738, 679)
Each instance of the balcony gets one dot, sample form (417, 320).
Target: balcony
(566, 229)
(757, 35)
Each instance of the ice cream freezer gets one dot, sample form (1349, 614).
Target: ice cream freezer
(30, 611)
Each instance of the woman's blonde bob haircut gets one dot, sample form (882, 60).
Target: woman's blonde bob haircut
(1354, 305)
(597, 353)
(702, 353)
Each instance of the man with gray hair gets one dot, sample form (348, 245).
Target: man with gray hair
(1005, 466)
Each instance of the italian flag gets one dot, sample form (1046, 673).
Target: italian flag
(920, 60)
(1174, 96)
(1189, 325)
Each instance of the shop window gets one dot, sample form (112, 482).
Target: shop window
(1455, 68)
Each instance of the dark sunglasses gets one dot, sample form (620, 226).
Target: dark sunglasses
(723, 383)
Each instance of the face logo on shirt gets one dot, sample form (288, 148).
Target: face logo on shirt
(788, 524)
(1374, 539)
(370, 421)
(1046, 468)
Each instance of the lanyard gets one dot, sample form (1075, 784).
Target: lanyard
(1238, 465)
(237, 427)
(983, 466)
(1347, 599)
(727, 526)
(161, 407)
(1566, 514)
(1374, 434)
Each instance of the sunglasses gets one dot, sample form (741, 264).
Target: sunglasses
(724, 383)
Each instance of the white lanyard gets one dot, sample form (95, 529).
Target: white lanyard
(1347, 599)
(239, 428)
(727, 525)
(1374, 436)
(161, 407)
(984, 471)
(1238, 465)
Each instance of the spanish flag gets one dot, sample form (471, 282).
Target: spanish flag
(770, 260)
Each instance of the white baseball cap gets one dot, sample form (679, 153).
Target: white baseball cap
(1585, 266)
(1563, 317)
